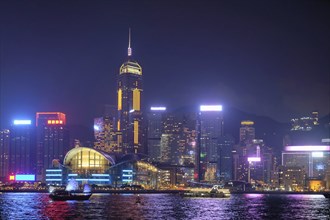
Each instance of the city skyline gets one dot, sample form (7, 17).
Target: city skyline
(56, 64)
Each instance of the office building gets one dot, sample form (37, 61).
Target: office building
(314, 160)
(246, 131)
(155, 131)
(226, 145)
(52, 140)
(105, 135)
(4, 154)
(210, 125)
(22, 148)
(129, 93)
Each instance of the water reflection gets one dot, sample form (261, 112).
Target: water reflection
(164, 206)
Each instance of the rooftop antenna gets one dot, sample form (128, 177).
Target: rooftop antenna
(129, 43)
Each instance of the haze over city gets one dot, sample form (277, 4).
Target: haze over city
(267, 58)
(164, 109)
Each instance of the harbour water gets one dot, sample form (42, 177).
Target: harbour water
(165, 206)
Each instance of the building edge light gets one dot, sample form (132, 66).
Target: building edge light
(158, 108)
(51, 180)
(210, 108)
(22, 122)
(308, 148)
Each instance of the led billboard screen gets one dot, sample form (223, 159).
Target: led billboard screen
(25, 177)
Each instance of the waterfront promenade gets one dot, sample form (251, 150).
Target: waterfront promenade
(141, 191)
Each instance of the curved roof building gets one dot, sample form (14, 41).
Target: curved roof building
(83, 160)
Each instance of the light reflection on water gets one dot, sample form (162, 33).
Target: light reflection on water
(164, 206)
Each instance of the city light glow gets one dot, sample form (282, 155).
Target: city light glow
(308, 148)
(22, 122)
(11, 177)
(211, 108)
(254, 159)
(158, 108)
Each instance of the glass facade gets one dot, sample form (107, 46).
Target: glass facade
(134, 173)
(85, 161)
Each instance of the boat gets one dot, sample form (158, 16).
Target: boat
(215, 192)
(138, 199)
(326, 195)
(62, 195)
(71, 192)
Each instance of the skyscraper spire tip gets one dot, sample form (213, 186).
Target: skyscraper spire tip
(129, 43)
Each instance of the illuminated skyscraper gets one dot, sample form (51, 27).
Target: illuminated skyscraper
(105, 134)
(246, 131)
(210, 132)
(155, 131)
(22, 147)
(4, 154)
(52, 140)
(129, 92)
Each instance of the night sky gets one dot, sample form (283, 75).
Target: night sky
(262, 57)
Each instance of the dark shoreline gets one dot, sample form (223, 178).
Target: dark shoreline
(170, 192)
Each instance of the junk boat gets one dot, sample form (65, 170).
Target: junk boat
(71, 192)
(216, 191)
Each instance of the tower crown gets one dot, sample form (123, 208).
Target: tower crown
(130, 66)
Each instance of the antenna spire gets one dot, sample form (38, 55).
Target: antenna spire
(129, 43)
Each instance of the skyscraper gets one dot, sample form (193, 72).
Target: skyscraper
(155, 131)
(210, 132)
(4, 154)
(129, 92)
(22, 147)
(105, 134)
(52, 140)
(246, 131)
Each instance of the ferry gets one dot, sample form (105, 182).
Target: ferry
(215, 192)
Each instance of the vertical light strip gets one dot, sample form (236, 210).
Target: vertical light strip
(118, 125)
(136, 132)
(119, 99)
(136, 99)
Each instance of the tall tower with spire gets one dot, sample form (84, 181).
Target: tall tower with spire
(129, 93)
